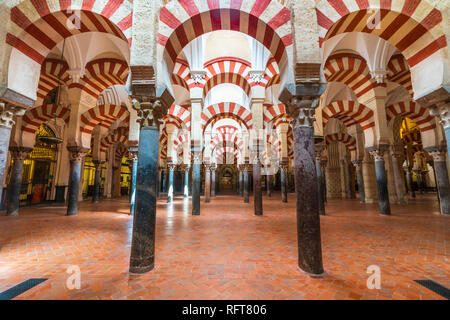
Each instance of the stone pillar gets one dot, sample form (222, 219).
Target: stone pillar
(196, 184)
(360, 179)
(323, 163)
(398, 177)
(383, 193)
(257, 191)
(283, 170)
(7, 113)
(246, 184)
(114, 185)
(170, 192)
(207, 183)
(97, 177)
(186, 181)
(320, 186)
(442, 182)
(302, 108)
(142, 258)
(409, 181)
(268, 185)
(213, 181)
(418, 173)
(347, 179)
(76, 157)
(18, 154)
(241, 180)
(133, 154)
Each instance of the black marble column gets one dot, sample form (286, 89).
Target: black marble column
(196, 188)
(360, 179)
(320, 192)
(76, 157)
(5, 133)
(142, 257)
(186, 182)
(241, 181)
(207, 183)
(419, 181)
(323, 164)
(268, 185)
(18, 154)
(213, 181)
(283, 170)
(134, 159)
(97, 177)
(306, 180)
(380, 170)
(170, 191)
(442, 182)
(409, 181)
(348, 186)
(246, 184)
(257, 191)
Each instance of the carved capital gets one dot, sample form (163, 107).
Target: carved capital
(302, 109)
(198, 76)
(438, 155)
(442, 113)
(7, 113)
(377, 154)
(318, 150)
(149, 113)
(76, 154)
(19, 153)
(171, 166)
(256, 76)
(133, 154)
(357, 163)
(197, 157)
(379, 75)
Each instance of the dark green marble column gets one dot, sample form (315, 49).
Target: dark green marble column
(18, 154)
(383, 194)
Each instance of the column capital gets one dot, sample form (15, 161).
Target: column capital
(149, 113)
(133, 154)
(438, 155)
(7, 113)
(442, 112)
(377, 152)
(318, 150)
(171, 166)
(357, 163)
(19, 153)
(186, 167)
(76, 153)
(207, 166)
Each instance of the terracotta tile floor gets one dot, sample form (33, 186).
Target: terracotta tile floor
(227, 252)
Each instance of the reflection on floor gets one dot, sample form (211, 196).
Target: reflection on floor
(227, 252)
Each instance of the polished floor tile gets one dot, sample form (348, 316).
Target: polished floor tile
(227, 252)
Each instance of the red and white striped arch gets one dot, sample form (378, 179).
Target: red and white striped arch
(104, 115)
(272, 74)
(227, 109)
(37, 26)
(33, 118)
(414, 27)
(181, 21)
(119, 135)
(220, 152)
(181, 113)
(398, 72)
(272, 111)
(229, 135)
(351, 70)
(350, 112)
(53, 73)
(101, 74)
(121, 150)
(226, 70)
(414, 111)
(181, 74)
(346, 139)
(231, 78)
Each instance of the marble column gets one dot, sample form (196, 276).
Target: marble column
(97, 177)
(207, 183)
(257, 190)
(186, 181)
(418, 173)
(246, 184)
(348, 186)
(171, 169)
(283, 170)
(323, 163)
(196, 185)
(241, 180)
(268, 185)
(320, 191)
(383, 193)
(360, 180)
(76, 157)
(114, 181)
(409, 181)
(307, 203)
(18, 154)
(442, 181)
(398, 177)
(213, 181)
(143, 241)
(133, 154)
(7, 113)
